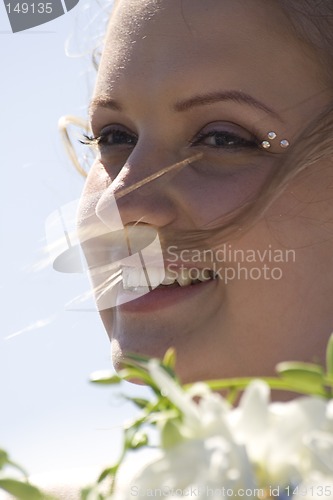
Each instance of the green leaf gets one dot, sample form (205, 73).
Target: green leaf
(18, 468)
(22, 491)
(303, 375)
(91, 494)
(4, 458)
(108, 472)
(139, 402)
(137, 358)
(232, 395)
(170, 372)
(85, 493)
(104, 377)
(139, 440)
(134, 373)
(134, 439)
(170, 434)
(158, 417)
(169, 359)
(310, 369)
(329, 357)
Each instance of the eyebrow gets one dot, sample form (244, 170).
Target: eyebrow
(195, 101)
(104, 102)
(228, 95)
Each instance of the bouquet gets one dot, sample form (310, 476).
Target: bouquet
(189, 441)
(208, 447)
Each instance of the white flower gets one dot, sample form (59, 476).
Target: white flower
(279, 436)
(206, 459)
(216, 449)
(203, 466)
(202, 419)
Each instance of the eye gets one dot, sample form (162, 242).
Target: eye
(222, 138)
(116, 137)
(112, 137)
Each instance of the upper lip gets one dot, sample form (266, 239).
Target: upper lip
(176, 265)
(186, 264)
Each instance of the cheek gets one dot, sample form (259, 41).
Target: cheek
(303, 215)
(211, 196)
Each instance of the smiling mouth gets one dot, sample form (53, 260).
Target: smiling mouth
(135, 279)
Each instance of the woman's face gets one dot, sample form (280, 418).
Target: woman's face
(213, 78)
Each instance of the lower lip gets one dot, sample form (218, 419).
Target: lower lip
(161, 298)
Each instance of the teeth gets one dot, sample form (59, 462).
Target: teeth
(184, 278)
(155, 275)
(169, 278)
(134, 277)
(204, 275)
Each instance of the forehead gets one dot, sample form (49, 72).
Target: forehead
(160, 30)
(159, 45)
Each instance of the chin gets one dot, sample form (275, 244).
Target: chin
(189, 368)
(152, 334)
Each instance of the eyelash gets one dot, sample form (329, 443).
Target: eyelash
(241, 143)
(102, 139)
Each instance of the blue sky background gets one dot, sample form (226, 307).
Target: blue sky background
(50, 417)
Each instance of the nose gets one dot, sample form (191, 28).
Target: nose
(145, 191)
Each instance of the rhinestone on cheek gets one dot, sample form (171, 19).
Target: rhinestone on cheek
(266, 144)
(284, 143)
